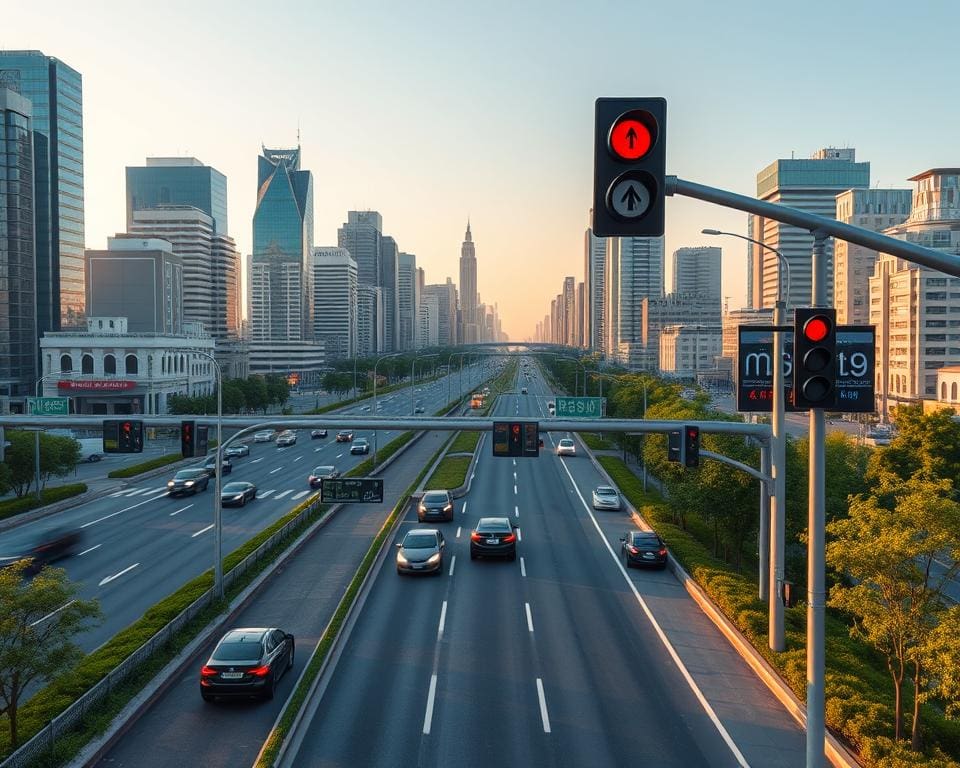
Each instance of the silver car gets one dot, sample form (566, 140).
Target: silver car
(421, 551)
(566, 447)
(605, 497)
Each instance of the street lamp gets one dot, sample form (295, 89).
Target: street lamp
(218, 469)
(413, 392)
(772, 541)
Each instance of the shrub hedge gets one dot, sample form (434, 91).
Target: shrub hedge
(12, 507)
(146, 466)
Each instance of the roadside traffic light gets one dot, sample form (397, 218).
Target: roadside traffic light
(188, 431)
(630, 165)
(122, 436)
(516, 438)
(690, 450)
(674, 442)
(814, 357)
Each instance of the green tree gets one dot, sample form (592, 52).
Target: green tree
(941, 652)
(255, 393)
(278, 390)
(6, 478)
(926, 443)
(897, 595)
(58, 456)
(38, 619)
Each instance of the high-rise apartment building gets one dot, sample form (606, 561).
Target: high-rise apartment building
(428, 321)
(362, 235)
(280, 289)
(876, 209)
(808, 185)
(568, 312)
(335, 301)
(55, 92)
(594, 282)
(697, 270)
(468, 289)
(389, 284)
(369, 308)
(18, 318)
(446, 294)
(916, 310)
(633, 272)
(407, 300)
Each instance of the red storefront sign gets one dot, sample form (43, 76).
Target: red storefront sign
(98, 385)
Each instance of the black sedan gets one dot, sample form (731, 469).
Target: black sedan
(317, 434)
(247, 662)
(54, 545)
(237, 493)
(643, 548)
(188, 481)
(493, 537)
(435, 505)
(210, 466)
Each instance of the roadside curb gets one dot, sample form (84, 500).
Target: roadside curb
(836, 752)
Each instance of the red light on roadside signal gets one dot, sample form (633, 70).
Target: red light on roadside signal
(816, 328)
(630, 139)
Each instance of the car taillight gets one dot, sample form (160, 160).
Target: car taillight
(663, 551)
(475, 536)
(633, 550)
(259, 671)
(206, 671)
(509, 537)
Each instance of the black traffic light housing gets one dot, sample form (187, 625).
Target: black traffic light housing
(814, 358)
(690, 447)
(629, 167)
(516, 438)
(188, 435)
(674, 443)
(122, 436)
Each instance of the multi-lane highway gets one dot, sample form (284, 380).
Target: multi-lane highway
(139, 544)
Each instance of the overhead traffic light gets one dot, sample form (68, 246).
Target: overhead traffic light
(122, 436)
(674, 442)
(814, 357)
(188, 432)
(516, 438)
(690, 449)
(630, 165)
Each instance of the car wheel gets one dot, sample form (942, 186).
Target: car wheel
(473, 555)
(513, 556)
(243, 501)
(290, 659)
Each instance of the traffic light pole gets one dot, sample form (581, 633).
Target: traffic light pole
(776, 635)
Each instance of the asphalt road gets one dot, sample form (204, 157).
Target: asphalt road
(140, 544)
(561, 658)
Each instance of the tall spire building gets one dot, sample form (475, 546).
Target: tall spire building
(468, 289)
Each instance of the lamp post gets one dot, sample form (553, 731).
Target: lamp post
(217, 478)
(413, 363)
(772, 541)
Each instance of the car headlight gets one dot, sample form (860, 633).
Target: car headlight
(448, 508)
(170, 484)
(423, 508)
(188, 483)
(401, 559)
(434, 559)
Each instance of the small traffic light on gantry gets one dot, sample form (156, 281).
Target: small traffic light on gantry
(814, 358)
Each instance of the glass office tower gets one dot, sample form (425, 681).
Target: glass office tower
(178, 181)
(55, 92)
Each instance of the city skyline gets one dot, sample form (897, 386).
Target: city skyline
(476, 156)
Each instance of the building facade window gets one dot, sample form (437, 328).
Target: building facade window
(131, 364)
(66, 363)
(109, 364)
(86, 364)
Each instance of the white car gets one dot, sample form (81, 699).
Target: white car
(566, 447)
(263, 437)
(605, 497)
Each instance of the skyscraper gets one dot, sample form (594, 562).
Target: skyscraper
(809, 185)
(18, 319)
(280, 288)
(446, 295)
(362, 236)
(407, 300)
(335, 301)
(633, 272)
(56, 95)
(389, 286)
(468, 289)
(697, 271)
(594, 282)
(568, 312)
(178, 181)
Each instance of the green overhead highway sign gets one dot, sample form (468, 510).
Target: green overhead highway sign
(579, 407)
(49, 406)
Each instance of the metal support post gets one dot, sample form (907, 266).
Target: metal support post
(763, 538)
(775, 629)
(816, 557)
(36, 460)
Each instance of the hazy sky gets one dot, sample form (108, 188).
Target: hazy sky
(432, 111)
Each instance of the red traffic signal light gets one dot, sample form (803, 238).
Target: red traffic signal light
(814, 357)
(816, 328)
(630, 138)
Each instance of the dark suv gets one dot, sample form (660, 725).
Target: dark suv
(435, 505)
(493, 537)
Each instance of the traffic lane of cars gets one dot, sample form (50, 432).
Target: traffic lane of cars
(299, 598)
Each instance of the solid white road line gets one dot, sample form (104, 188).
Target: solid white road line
(119, 512)
(182, 509)
(257, 461)
(458, 534)
(523, 568)
(264, 494)
(299, 495)
(202, 530)
(543, 706)
(282, 494)
(428, 715)
(728, 740)
(453, 562)
(443, 619)
(95, 546)
(274, 471)
(529, 617)
(53, 613)
(108, 579)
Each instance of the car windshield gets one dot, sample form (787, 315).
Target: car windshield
(236, 651)
(435, 498)
(419, 541)
(361, 441)
(234, 488)
(605, 490)
(323, 470)
(187, 474)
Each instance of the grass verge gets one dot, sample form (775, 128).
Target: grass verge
(859, 693)
(450, 473)
(12, 507)
(276, 738)
(146, 466)
(597, 442)
(465, 442)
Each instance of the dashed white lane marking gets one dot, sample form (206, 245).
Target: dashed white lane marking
(516, 511)
(317, 450)
(443, 619)
(52, 613)
(543, 706)
(202, 530)
(257, 461)
(514, 490)
(519, 535)
(453, 562)
(463, 510)
(728, 740)
(458, 534)
(299, 495)
(514, 462)
(523, 568)
(182, 509)
(514, 477)
(529, 617)
(95, 546)
(274, 471)
(339, 455)
(119, 512)
(282, 494)
(264, 494)
(298, 458)
(428, 715)
(108, 579)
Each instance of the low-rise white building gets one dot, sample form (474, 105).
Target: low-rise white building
(686, 350)
(106, 370)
